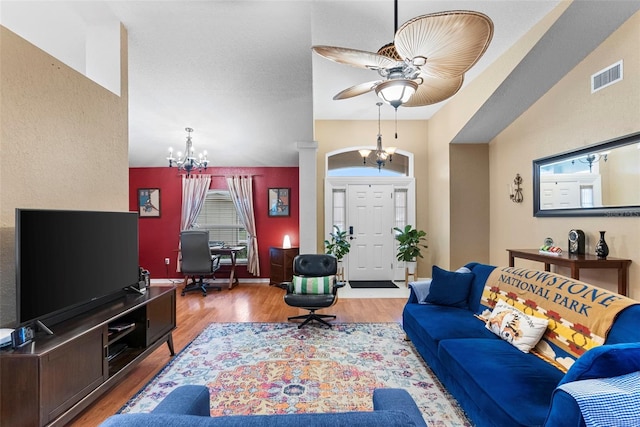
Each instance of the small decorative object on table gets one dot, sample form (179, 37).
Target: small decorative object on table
(576, 242)
(602, 249)
(547, 248)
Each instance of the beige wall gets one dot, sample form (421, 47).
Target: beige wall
(568, 117)
(64, 145)
(443, 222)
(469, 165)
(621, 177)
(412, 137)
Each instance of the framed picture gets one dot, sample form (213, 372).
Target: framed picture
(149, 202)
(279, 201)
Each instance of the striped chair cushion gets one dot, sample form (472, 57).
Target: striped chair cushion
(313, 285)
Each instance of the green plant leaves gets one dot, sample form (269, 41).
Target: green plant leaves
(409, 243)
(338, 246)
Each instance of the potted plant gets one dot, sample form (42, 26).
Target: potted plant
(409, 245)
(338, 246)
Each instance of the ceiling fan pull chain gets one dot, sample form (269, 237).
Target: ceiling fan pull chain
(396, 123)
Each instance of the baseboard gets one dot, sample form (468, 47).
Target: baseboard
(221, 281)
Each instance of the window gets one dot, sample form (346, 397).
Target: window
(349, 163)
(400, 208)
(586, 196)
(220, 218)
(339, 209)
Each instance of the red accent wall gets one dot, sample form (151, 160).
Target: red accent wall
(158, 237)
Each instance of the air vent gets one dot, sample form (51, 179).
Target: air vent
(606, 77)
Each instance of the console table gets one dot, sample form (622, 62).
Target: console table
(575, 263)
(51, 380)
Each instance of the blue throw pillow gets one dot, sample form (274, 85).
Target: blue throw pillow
(449, 288)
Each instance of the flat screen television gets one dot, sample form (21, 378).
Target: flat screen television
(68, 262)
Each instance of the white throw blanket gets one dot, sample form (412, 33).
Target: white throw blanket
(421, 289)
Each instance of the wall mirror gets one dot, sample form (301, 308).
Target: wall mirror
(598, 180)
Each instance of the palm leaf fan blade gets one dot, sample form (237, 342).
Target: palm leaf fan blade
(434, 90)
(357, 90)
(354, 57)
(452, 42)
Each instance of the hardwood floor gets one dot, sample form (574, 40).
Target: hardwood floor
(248, 302)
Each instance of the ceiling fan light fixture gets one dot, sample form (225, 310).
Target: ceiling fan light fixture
(397, 91)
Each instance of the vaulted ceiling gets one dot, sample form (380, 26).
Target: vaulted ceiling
(242, 73)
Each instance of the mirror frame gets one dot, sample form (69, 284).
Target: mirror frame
(613, 211)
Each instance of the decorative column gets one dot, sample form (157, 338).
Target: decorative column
(308, 226)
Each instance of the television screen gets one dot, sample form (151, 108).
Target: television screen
(67, 259)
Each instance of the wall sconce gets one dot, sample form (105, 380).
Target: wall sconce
(515, 191)
(286, 242)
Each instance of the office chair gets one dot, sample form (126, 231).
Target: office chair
(197, 261)
(313, 287)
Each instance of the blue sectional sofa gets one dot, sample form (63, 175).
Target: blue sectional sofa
(188, 406)
(496, 383)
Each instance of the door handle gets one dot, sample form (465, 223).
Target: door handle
(351, 229)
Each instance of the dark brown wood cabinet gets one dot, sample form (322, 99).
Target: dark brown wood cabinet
(51, 380)
(281, 261)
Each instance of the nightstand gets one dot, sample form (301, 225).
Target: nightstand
(281, 261)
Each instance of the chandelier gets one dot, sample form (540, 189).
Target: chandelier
(381, 155)
(594, 158)
(188, 162)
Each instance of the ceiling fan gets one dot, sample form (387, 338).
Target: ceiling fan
(426, 62)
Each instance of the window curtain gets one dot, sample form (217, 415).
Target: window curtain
(241, 190)
(194, 191)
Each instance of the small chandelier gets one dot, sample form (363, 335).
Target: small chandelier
(590, 159)
(189, 162)
(381, 154)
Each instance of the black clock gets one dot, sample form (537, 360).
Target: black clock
(576, 242)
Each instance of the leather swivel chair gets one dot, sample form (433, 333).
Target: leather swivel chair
(197, 261)
(304, 292)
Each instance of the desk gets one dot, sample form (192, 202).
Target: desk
(575, 263)
(232, 251)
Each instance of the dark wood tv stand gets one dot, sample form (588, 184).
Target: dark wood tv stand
(50, 381)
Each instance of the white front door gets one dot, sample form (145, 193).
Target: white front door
(370, 224)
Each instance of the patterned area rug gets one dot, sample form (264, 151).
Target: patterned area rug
(268, 368)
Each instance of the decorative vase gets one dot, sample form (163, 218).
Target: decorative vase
(340, 271)
(411, 266)
(602, 249)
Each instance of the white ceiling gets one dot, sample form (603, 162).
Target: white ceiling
(242, 73)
